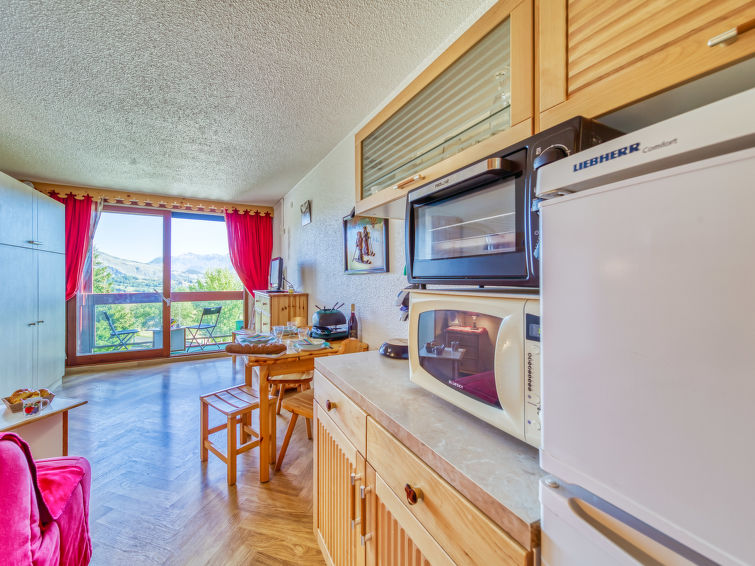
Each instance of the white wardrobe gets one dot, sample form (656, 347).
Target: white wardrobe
(32, 288)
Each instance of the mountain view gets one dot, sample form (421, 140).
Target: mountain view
(134, 276)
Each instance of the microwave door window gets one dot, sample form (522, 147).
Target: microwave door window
(475, 223)
(457, 348)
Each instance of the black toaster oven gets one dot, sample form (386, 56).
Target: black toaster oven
(477, 226)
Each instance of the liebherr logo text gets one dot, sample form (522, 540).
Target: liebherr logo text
(622, 151)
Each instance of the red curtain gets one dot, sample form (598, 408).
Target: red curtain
(78, 226)
(250, 243)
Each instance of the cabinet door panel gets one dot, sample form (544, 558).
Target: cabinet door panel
(51, 324)
(16, 212)
(595, 58)
(424, 133)
(50, 220)
(395, 537)
(18, 276)
(336, 460)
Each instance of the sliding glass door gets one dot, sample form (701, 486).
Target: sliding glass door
(151, 275)
(206, 294)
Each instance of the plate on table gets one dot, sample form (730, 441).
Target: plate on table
(311, 344)
(278, 355)
(255, 339)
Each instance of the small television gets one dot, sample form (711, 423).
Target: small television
(276, 274)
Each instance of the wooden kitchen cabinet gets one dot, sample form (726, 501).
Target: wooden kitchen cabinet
(276, 309)
(462, 530)
(450, 116)
(595, 57)
(363, 513)
(393, 537)
(339, 473)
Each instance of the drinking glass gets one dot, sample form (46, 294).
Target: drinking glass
(278, 332)
(303, 333)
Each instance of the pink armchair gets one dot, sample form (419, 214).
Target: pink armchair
(44, 507)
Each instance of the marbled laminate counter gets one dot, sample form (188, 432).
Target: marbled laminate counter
(496, 472)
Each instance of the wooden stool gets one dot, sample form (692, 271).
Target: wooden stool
(237, 404)
(299, 404)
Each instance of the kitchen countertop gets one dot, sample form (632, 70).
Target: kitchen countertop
(495, 471)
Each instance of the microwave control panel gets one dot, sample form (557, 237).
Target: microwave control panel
(532, 424)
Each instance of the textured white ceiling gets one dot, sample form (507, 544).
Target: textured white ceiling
(231, 100)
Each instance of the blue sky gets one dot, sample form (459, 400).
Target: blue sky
(139, 238)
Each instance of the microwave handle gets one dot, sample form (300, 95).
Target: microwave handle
(494, 167)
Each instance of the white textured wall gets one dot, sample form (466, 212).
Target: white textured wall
(313, 254)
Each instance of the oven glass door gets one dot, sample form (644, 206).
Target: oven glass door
(471, 234)
(457, 348)
(475, 223)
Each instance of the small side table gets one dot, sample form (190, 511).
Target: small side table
(47, 431)
(177, 338)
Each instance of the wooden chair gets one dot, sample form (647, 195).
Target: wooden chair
(279, 384)
(300, 381)
(237, 404)
(299, 404)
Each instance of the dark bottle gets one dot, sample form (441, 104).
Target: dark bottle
(353, 324)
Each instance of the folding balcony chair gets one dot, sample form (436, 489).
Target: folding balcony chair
(207, 323)
(122, 337)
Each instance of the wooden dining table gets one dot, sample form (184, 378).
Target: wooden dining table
(290, 362)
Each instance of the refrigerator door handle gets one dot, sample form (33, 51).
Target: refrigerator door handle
(579, 509)
(609, 527)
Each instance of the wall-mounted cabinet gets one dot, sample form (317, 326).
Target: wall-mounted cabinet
(591, 58)
(474, 99)
(597, 57)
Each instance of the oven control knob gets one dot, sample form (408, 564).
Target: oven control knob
(549, 155)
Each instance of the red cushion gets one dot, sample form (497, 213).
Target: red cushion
(44, 515)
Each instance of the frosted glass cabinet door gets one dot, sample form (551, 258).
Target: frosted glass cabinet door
(16, 212)
(18, 321)
(50, 220)
(51, 324)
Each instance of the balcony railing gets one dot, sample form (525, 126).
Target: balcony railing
(121, 322)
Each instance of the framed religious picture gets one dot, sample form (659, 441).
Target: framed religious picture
(365, 244)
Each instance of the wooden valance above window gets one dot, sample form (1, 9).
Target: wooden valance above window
(152, 201)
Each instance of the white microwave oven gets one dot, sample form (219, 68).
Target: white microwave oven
(480, 350)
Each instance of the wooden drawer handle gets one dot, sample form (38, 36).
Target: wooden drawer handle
(330, 405)
(413, 494)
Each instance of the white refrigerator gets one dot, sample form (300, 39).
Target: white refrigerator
(648, 345)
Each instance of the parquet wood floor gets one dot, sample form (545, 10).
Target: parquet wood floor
(154, 502)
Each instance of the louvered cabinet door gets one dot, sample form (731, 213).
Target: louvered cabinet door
(339, 475)
(392, 536)
(595, 57)
(475, 99)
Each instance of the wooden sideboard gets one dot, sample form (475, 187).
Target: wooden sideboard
(381, 496)
(277, 308)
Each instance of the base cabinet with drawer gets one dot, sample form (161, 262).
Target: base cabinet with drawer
(377, 503)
